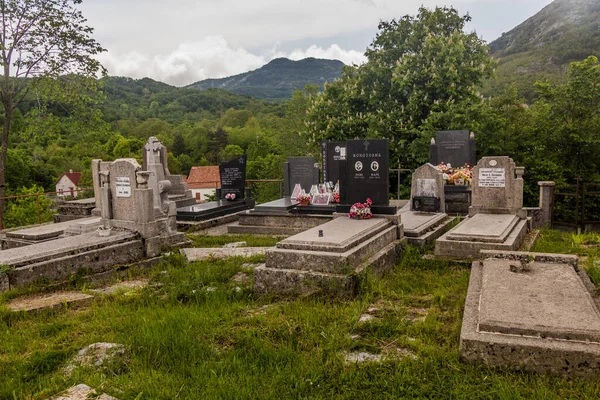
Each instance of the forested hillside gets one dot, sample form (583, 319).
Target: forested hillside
(278, 79)
(544, 45)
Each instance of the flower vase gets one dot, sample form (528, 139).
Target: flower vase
(304, 202)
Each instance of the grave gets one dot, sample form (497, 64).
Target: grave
(284, 216)
(497, 220)
(299, 170)
(366, 176)
(456, 148)
(423, 217)
(138, 226)
(155, 159)
(43, 233)
(532, 312)
(233, 180)
(330, 257)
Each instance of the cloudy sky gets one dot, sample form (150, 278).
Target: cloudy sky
(183, 41)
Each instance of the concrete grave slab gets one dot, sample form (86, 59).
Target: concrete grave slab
(469, 248)
(333, 262)
(542, 319)
(417, 223)
(338, 235)
(491, 228)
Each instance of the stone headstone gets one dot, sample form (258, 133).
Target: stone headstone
(427, 189)
(497, 187)
(155, 159)
(453, 147)
(367, 171)
(300, 170)
(333, 155)
(233, 177)
(122, 184)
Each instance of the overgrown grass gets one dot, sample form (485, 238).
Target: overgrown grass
(194, 333)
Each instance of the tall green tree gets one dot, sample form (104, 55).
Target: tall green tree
(39, 39)
(417, 66)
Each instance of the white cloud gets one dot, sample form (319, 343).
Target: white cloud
(333, 52)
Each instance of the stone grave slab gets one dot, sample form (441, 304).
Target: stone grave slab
(337, 236)
(548, 300)
(330, 257)
(283, 205)
(417, 223)
(543, 318)
(82, 226)
(490, 228)
(212, 209)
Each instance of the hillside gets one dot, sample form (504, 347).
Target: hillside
(544, 45)
(278, 79)
(147, 98)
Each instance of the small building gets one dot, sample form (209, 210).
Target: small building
(68, 184)
(203, 181)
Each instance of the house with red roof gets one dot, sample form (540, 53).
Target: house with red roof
(67, 184)
(203, 181)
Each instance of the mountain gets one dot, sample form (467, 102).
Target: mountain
(278, 79)
(543, 46)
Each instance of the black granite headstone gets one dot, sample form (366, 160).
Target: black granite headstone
(367, 171)
(233, 177)
(426, 204)
(300, 170)
(453, 147)
(333, 155)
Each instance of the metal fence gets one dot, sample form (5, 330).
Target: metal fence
(577, 207)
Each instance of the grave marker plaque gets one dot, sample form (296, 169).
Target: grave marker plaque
(367, 171)
(426, 204)
(333, 155)
(300, 170)
(492, 177)
(453, 147)
(233, 177)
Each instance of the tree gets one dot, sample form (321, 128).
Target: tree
(417, 66)
(40, 40)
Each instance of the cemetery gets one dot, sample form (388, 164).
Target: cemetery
(530, 311)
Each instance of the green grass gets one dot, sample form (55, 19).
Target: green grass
(193, 333)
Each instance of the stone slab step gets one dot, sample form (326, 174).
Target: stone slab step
(49, 301)
(237, 229)
(197, 254)
(331, 262)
